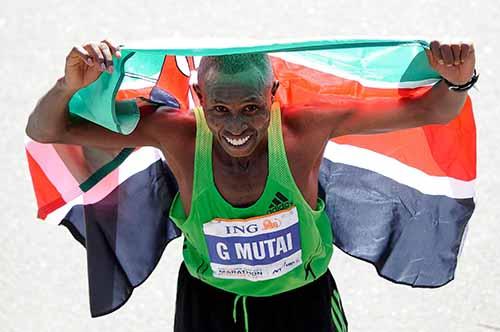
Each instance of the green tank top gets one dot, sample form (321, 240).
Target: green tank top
(277, 244)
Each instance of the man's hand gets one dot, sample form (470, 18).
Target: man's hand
(454, 62)
(84, 64)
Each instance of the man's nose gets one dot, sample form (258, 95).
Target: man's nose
(237, 126)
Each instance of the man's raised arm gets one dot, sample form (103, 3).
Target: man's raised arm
(49, 121)
(439, 105)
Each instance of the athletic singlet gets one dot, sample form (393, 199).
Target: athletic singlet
(277, 244)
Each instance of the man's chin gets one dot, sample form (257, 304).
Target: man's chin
(238, 152)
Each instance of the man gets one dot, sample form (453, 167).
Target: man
(230, 159)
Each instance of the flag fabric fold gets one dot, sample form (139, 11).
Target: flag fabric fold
(399, 200)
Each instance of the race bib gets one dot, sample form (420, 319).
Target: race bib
(258, 248)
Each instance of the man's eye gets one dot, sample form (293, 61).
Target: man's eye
(220, 109)
(251, 108)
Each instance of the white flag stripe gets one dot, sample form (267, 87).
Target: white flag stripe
(398, 171)
(54, 168)
(136, 162)
(341, 153)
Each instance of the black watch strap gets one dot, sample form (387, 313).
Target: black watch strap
(463, 87)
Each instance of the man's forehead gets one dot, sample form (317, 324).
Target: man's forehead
(249, 76)
(249, 83)
(221, 93)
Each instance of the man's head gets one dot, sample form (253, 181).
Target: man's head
(236, 93)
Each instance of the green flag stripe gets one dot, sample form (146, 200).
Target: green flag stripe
(276, 47)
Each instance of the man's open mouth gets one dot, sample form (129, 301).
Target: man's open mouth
(237, 142)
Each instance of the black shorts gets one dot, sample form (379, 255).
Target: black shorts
(315, 307)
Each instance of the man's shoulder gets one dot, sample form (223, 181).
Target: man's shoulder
(301, 119)
(172, 117)
(171, 125)
(312, 119)
(293, 118)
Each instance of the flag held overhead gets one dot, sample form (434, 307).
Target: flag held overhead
(400, 200)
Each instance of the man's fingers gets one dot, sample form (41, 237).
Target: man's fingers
(80, 52)
(96, 54)
(468, 52)
(108, 58)
(430, 57)
(101, 54)
(446, 54)
(436, 53)
(455, 50)
(114, 49)
(464, 53)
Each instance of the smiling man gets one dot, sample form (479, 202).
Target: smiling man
(230, 84)
(257, 239)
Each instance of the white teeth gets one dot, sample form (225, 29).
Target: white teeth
(238, 141)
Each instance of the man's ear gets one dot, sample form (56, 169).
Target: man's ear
(275, 87)
(197, 89)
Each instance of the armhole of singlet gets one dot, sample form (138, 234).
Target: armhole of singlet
(281, 157)
(199, 157)
(277, 160)
(281, 169)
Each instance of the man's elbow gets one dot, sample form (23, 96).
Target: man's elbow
(447, 118)
(40, 136)
(437, 117)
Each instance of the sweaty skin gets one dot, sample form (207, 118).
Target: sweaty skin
(238, 105)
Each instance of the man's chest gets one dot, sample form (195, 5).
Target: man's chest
(243, 186)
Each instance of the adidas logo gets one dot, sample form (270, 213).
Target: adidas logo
(279, 202)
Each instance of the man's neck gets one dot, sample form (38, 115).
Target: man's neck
(241, 164)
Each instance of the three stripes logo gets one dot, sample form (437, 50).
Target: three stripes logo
(279, 202)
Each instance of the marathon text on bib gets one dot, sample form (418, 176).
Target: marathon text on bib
(258, 248)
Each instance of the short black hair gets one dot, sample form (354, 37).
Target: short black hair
(235, 63)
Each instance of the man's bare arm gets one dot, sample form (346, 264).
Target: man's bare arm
(377, 115)
(49, 122)
(437, 106)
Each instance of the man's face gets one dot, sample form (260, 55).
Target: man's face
(237, 109)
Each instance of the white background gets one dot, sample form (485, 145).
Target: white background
(43, 273)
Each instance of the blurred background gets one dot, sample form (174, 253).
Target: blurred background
(43, 274)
